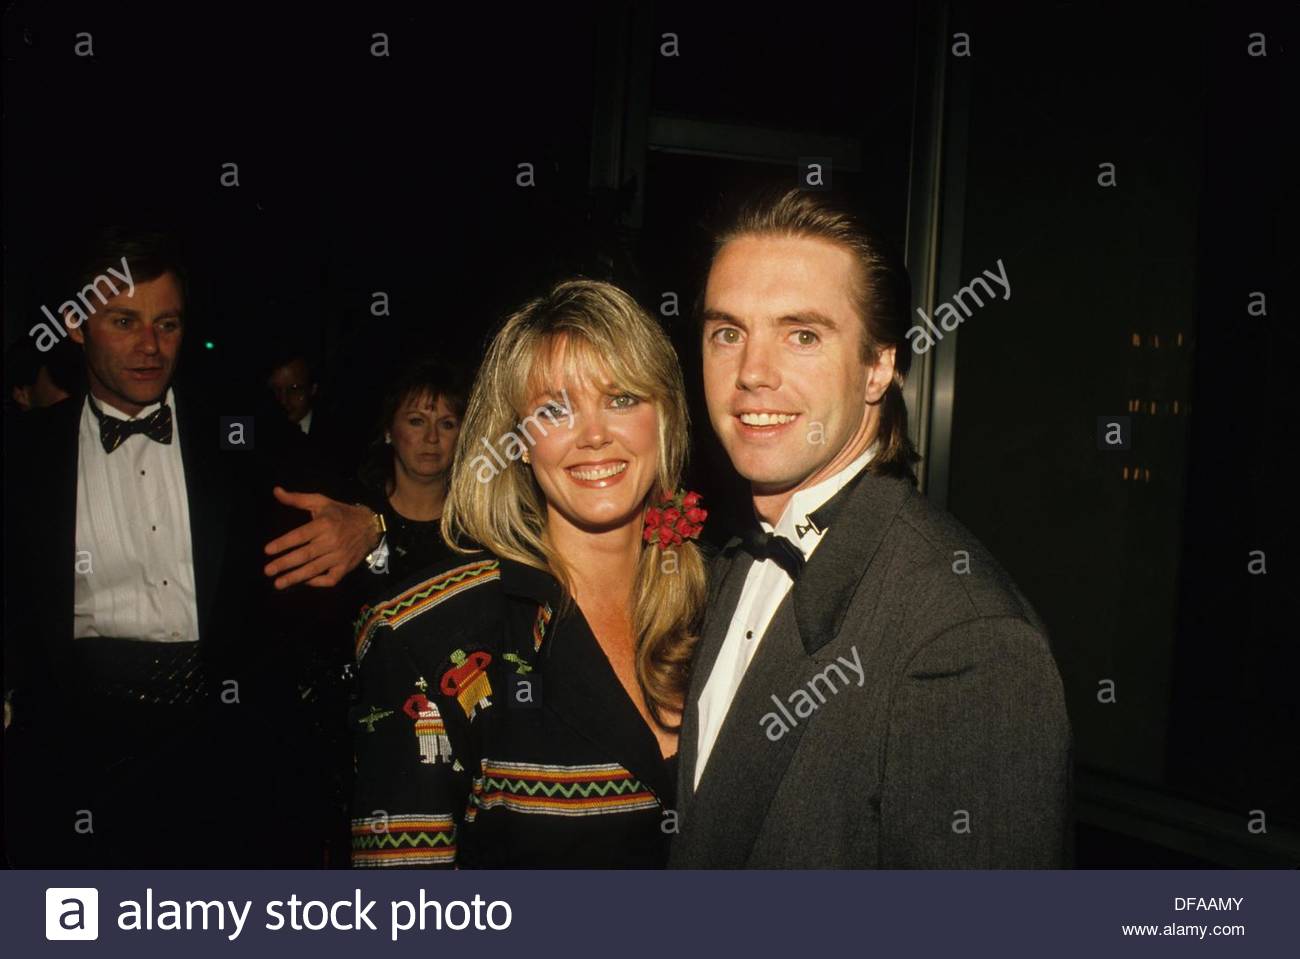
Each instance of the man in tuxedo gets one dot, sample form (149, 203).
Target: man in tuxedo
(150, 709)
(870, 688)
(291, 381)
(294, 387)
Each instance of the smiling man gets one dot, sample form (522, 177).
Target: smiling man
(131, 547)
(947, 744)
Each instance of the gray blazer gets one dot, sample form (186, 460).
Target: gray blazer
(903, 708)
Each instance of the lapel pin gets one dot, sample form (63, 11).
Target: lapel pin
(812, 525)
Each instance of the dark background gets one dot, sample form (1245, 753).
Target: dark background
(360, 174)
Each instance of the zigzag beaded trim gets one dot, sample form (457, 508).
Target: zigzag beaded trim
(409, 840)
(529, 788)
(421, 598)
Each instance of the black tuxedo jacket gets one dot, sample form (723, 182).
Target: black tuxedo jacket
(41, 524)
(903, 708)
(266, 641)
(232, 515)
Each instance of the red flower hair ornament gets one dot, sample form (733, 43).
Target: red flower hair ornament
(676, 517)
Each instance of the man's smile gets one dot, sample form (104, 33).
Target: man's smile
(765, 418)
(764, 424)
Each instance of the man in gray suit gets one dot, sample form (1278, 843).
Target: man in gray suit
(870, 688)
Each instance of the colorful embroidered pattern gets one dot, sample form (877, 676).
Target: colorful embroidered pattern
(412, 840)
(558, 790)
(539, 625)
(430, 730)
(421, 598)
(467, 680)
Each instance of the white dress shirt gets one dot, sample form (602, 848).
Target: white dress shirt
(304, 424)
(765, 588)
(135, 560)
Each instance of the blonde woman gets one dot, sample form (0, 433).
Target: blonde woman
(520, 706)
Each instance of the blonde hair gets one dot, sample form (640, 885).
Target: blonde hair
(583, 328)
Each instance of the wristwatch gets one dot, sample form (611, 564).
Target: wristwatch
(377, 558)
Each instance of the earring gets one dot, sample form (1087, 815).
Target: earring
(525, 458)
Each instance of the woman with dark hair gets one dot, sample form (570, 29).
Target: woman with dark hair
(407, 466)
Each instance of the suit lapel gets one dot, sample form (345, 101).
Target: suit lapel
(754, 748)
(727, 580)
(208, 497)
(729, 573)
(760, 734)
(856, 520)
(64, 467)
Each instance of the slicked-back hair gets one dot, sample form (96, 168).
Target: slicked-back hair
(881, 294)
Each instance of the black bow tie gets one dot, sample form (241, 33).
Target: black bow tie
(775, 547)
(113, 431)
(786, 553)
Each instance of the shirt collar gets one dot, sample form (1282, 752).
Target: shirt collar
(304, 424)
(108, 409)
(796, 524)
